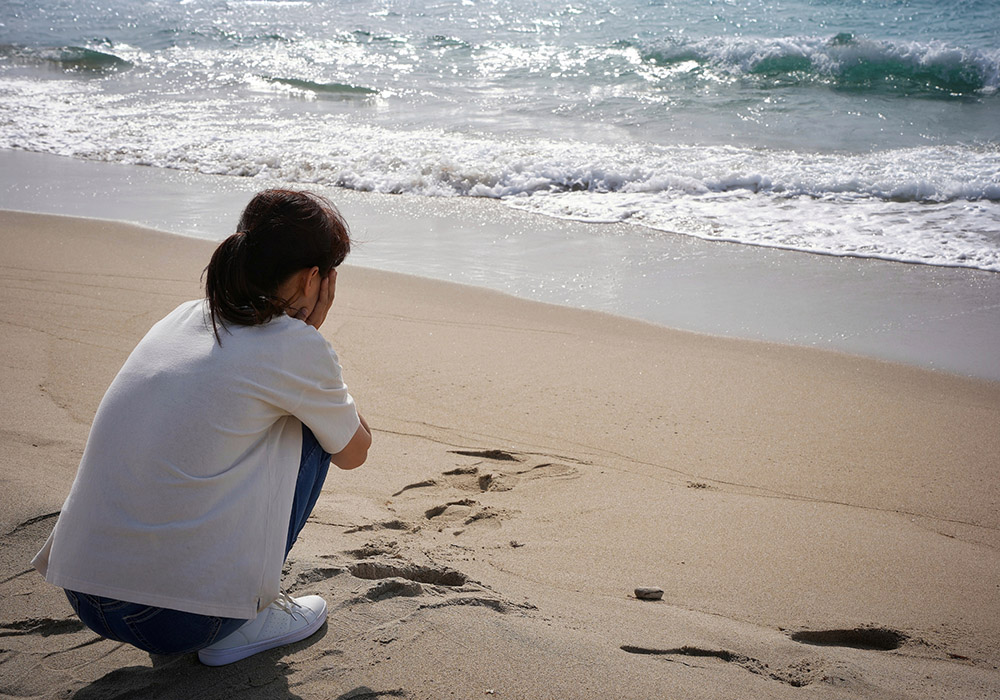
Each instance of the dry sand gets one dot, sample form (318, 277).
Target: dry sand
(823, 526)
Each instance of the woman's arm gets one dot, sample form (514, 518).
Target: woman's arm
(318, 294)
(356, 452)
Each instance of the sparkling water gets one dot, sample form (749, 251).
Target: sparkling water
(844, 127)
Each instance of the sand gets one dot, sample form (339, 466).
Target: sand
(821, 525)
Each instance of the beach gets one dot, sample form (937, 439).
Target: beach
(820, 523)
(694, 298)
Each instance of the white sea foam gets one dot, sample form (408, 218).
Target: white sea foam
(957, 233)
(934, 204)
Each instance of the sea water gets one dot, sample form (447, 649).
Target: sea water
(844, 127)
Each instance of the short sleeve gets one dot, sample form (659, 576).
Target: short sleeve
(320, 398)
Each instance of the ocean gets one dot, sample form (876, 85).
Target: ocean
(863, 128)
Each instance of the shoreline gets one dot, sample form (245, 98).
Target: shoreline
(533, 465)
(941, 318)
(460, 288)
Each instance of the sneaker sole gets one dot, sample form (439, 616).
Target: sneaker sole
(211, 657)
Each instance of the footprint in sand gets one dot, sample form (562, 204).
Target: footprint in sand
(394, 579)
(545, 469)
(394, 524)
(874, 638)
(465, 479)
(452, 510)
(464, 512)
(472, 479)
(393, 588)
(380, 569)
(478, 478)
(375, 548)
(315, 575)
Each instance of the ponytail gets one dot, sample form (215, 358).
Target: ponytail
(280, 233)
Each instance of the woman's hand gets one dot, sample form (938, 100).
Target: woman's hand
(316, 314)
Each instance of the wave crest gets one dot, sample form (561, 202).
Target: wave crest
(69, 58)
(843, 61)
(335, 90)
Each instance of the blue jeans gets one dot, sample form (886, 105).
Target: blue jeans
(167, 631)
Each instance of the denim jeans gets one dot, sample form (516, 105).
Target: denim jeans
(166, 631)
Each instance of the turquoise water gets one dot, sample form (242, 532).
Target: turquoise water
(841, 127)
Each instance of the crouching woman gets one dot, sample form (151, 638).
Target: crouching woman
(210, 448)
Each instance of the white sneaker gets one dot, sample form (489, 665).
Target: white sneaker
(284, 621)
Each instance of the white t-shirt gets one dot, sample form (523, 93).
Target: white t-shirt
(184, 492)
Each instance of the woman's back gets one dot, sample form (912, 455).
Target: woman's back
(193, 442)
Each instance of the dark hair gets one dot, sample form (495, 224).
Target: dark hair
(280, 232)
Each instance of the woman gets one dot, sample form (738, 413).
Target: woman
(210, 448)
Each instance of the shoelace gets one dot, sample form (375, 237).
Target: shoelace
(287, 603)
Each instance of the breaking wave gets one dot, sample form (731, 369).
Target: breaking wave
(844, 61)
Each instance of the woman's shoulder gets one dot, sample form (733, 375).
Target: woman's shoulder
(185, 312)
(288, 350)
(283, 334)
